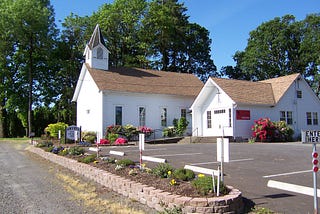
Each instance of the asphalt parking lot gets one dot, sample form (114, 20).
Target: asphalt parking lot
(250, 168)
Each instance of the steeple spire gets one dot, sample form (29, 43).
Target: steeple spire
(96, 52)
(96, 38)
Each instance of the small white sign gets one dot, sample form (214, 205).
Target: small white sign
(141, 141)
(223, 149)
(310, 136)
(72, 131)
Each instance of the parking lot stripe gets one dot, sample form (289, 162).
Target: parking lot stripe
(288, 173)
(292, 188)
(183, 154)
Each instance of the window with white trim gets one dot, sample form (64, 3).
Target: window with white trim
(209, 120)
(142, 116)
(118, 115)
(230, 118)
(312, 118)
(164, 117)
(183, 113)
(286, 116)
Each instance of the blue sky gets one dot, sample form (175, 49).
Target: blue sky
(228, 21)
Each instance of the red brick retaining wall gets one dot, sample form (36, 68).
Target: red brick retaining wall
(154, 198)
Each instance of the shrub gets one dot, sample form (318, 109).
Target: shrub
(266, 130)
(76, 150)
(130, 131)
(89, 136)
(284, 132)
(120, 141)
(145, 130)
(54, 128)
(109, 160)
(125, 162)
(63, 152)
(104, 141)
(112, 137)
(44, 144)
(263, 129)
(49, 149)
(88, 159)
(57, 149)
(113, 129)
(162, 170)
(204, 185)
(181, 126)
(183, 174)
(169, 132)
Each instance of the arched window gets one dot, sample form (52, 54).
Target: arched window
(99, 53)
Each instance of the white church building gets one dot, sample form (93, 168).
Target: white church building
(120, 96)
(227, 107)
(140, 97)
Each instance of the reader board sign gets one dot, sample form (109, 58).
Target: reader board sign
(310, 136)
(73, 132)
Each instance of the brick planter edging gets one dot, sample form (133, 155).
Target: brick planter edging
(154, 198)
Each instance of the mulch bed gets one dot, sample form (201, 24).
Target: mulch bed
(183, 188)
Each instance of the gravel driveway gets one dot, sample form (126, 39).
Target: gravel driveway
(30, 184)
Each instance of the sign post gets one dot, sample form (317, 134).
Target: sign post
(222, 153)
(313, 137)
(141, 147)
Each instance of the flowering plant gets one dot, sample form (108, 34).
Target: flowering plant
(120, 141)
(266, 130)
(173, 182)
(104, 141)
(263, 129)
(145, 130)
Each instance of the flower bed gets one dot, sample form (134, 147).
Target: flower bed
(132, 186)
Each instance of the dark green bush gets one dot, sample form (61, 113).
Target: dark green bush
(183, 174)
(162, 170)
(88, 159)
(204, 185)
(125, 162)
(76, 150)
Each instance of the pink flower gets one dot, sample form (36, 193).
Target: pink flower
(104, 141)
(120, 141)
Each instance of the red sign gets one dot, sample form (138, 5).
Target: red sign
(243, 114)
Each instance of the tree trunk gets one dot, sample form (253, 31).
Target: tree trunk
(30, 82)
(2, 121)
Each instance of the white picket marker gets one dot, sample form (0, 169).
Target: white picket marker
(116, 153)
(153, 159)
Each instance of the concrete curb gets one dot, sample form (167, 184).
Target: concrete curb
(154, 198)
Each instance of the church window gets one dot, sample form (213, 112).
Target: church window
(99, 53)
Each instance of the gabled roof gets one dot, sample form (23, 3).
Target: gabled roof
(96, 38)
(246, 92)
(281, 84)
(138, 80)
(266, 92)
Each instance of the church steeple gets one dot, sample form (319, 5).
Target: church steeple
(96, 52)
